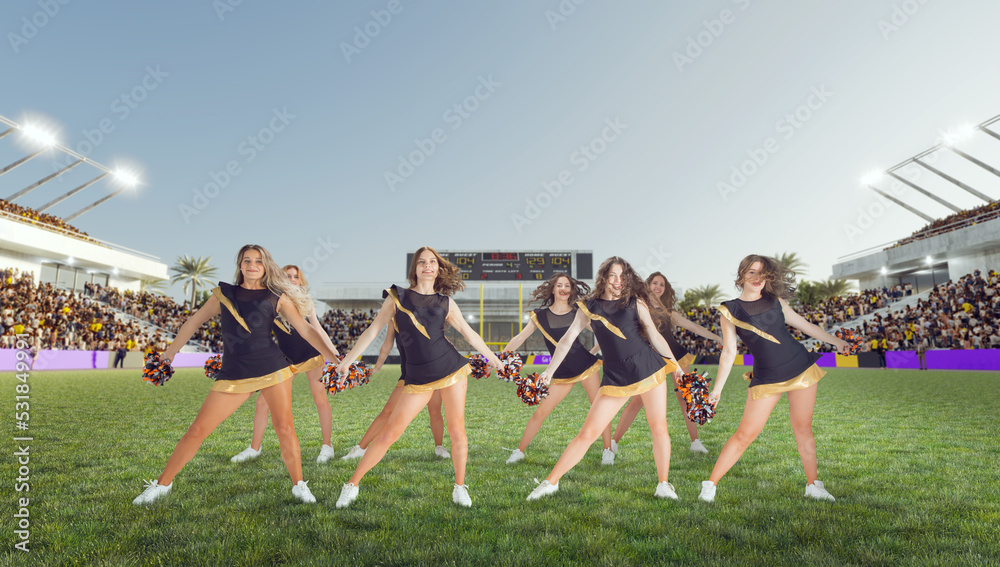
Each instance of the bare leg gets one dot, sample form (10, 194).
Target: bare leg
(383, 417)
(408, 407)
(214, 410)
(453, 398)
(598, 418)
(800, 408)
(322, 400)
(691, 425)
(655, 402)
(259, 423)
(437, 421)
(279, 399)
(592, 386)
(556, 394)
(628, 416)
(755, 415)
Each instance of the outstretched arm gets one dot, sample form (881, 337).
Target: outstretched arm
(726, 359)
(655, 338)
(686, 324)
(383, 354)
(565, 343)
(210, 309)
(314, 321)
(517, 341)
(385, 313)
(315, 338)
(797, 321)
(456, 320)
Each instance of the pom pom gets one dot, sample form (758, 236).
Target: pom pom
(530, 391)
(213, 366)
(480, 366)
(853, 337)
(694, 389)
(154, 370)
(510, 366)
(357, 375)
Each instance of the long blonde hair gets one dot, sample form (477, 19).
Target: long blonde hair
(274, 279)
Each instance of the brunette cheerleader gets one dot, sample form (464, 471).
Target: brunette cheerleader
(302, 358)
(558, 309)
(251, 361)
(760, 317)
(419, 314)
(632, 367)
(665, 317)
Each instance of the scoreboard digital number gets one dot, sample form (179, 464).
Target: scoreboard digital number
(509, 266)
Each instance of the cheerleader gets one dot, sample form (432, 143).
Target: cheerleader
(760, 317)
(251, 361)
(302, 358)
(632, 367)
(558, 309)
(433, 407)
(665, 317)
(418, 314)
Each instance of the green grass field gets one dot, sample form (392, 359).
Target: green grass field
(914, 469)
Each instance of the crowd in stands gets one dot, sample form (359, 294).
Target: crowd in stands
(344, 327)
(32, 216)
(956, 221)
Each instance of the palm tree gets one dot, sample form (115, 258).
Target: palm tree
(152, 285)
(710, 294)
(194, 272)
(792, 261)
(833, 287)
(808, 293)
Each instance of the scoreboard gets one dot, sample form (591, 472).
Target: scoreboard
(517, 266)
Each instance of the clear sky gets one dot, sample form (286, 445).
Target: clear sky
(376, 127)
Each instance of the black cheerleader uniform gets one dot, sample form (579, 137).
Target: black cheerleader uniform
(631, 365)
(666, 328)
(780, 363)
(431, 361)
(579, 363)
(301, 355)
(250, 358)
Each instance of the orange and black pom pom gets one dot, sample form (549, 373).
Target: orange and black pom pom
(530, 391)
(694, 389)
(853, 337)
(212, 366)
(154, 370)
(510, 366)
(357, 375)
(480, 366)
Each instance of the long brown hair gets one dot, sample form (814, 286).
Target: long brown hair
(779, 280)
(449, 278)
(302, 277)
(278, 284)
(632, 285)
(669, 297)
(545, 293)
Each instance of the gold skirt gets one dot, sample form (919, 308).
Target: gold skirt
(642, 386)
(253, 384)
(317, 361)
(810, 376)
(449, 380)
(686, 361)
(594, 369)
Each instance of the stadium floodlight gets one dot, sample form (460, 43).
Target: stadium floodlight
(930, 260)
(957, 135)
(126, 178)
(952, 180)
(901, 204)
(70, 193)
(885, 270)
(38, 136)
(872, 177)
(70, 260)
(923, 191)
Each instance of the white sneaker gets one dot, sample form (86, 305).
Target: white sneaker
(544, 488)
(461, 496)
(515, 457)
(246, 455)
(614, 446)
(697, 447)
(608, 457)
(325, 454)
(665, 490)
(818, 492)
(154, 491)
(707, 491)
(442, 452)
(347, 495)
(301, 491)
(355, 452)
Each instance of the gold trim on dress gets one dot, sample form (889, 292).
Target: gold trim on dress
(313, 363)
(594, 369)
(812, 375)
(253, 384)
(395, 298)
(612, 328)
(449, 380)
(744, 325)
(217, 292)
(278, 322)
(686, 361)
(545, 334)
(642, 386)
(400, 383)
